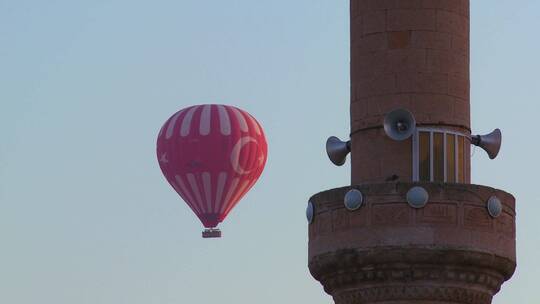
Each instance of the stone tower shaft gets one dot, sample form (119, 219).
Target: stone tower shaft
(410, 54)
(411, 228)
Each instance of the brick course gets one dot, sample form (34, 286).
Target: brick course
(412, 54)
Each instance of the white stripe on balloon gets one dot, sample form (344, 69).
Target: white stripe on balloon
(161, 130)
(232, 186)
(172, 124)
(186, 123)
(195, 188)
(176, 188)
(255, 124)
(207, 183)
(206, 118)
(224, 121)
(222, 179)
(240, 118)
(237, 196)
(185, 191)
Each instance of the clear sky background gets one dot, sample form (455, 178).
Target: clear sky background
(85, 214)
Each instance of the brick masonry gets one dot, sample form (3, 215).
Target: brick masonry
(450, 251)
(412, 54)
(456, 215)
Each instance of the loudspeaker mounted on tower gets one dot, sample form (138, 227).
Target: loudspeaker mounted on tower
(491, 143)
(399, 124)
(337, 150)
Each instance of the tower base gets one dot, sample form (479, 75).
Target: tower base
(386, 252)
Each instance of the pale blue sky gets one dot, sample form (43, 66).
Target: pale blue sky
(85, 215)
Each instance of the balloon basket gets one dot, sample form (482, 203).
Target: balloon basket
(211, 233)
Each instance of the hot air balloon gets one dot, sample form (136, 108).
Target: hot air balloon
(211, 155)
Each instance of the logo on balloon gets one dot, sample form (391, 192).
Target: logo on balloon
(235, 155)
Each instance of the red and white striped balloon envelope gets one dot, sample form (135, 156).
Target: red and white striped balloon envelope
(212, 155)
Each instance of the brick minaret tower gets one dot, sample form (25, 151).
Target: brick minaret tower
(411, 228)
